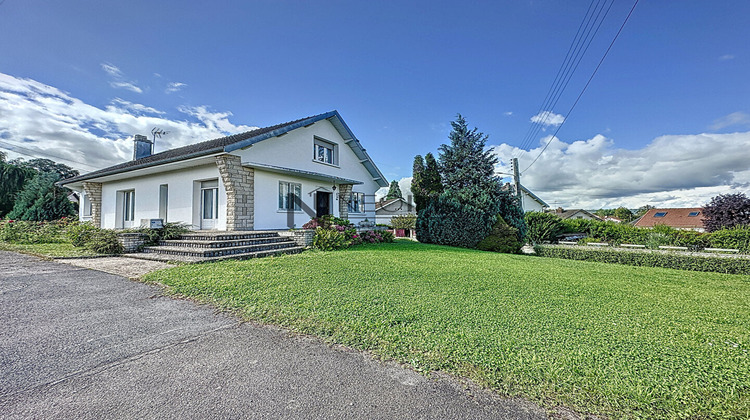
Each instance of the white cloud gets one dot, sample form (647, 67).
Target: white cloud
(44, 121)
(734, 119)
(508, 114)
(118, 78)
(112, 70)
(673, 170)
(174, 87)
(548, 118)
(726, 57)
(120, 105)
(126, 85)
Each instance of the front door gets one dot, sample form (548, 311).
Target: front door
(209, 204)
(322, 203)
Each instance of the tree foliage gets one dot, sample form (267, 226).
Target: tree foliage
(46, 165)
(40, 199)
(462, 195)
(12, 179)
(426, 184)
(468, 170)
(394, 191)
(543, 227)
(726, 211)
(502, 238)
(446, 221)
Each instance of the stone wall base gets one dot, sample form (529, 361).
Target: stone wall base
(132, 242)
(302, 237)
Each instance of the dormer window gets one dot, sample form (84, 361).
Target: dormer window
(325, 152)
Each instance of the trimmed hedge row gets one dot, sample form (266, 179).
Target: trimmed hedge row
(649, 259)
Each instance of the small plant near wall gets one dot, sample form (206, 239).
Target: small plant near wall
(332, 233)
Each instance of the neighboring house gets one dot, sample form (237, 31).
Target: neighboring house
(683, 219)
(386, 209)
(276, 177)
(574, 214)
(529, 201)
(611, 219)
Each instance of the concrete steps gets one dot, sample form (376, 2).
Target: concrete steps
(214, 246)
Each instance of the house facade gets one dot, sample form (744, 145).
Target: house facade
(276, 177)
(386, 209)
(574, 214)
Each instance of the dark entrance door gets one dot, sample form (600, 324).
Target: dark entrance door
(322, 203)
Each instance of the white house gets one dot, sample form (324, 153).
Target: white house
(386, 209)
(530, 202)
(275, 177)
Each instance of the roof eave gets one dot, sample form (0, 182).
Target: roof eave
(88, 177)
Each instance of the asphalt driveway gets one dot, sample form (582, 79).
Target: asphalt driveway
(79, 343)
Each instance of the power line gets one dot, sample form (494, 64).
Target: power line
(586, 40)
(577, 50)
(36, 154)
(586, 86)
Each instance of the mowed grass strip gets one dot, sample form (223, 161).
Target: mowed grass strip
(53, 250)
(626, 342)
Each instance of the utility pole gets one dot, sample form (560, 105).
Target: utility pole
(517, 181)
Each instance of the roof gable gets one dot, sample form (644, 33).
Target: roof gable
(240, 141)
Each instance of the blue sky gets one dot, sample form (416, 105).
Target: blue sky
(666, 120)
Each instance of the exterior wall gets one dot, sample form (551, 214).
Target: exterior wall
(398, 208)
(268, 216)
(295, 150)
(183, 203)
(529, 204)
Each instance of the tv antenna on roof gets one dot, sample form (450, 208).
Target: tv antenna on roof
(157, 132)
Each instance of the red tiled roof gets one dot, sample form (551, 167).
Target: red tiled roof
(676, 218)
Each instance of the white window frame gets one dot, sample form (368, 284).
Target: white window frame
(356, 203)
(325, 151)
(287, 189)
(128, 206)
(87, 206)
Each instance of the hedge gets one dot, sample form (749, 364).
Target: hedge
(649, 259)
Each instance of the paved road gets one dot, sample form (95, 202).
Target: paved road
(78, 343)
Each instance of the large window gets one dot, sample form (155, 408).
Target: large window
(325, 152)
(357, 203)
(290, 196)
(128, 206)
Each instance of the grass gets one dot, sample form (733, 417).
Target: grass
(50, 250)
(619, 341)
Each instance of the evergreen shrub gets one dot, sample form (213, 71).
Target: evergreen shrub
(503, 238)
(105, 241)
(445, 221)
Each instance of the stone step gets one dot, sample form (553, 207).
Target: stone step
(218, 252)
(227, 236)
(194, 259)
(193, 243)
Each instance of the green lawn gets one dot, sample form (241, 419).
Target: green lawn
(626, 342)
(55, 250)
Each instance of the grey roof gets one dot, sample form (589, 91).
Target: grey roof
(239, 141)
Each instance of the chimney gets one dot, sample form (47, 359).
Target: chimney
(143, 147)
(559, 210)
